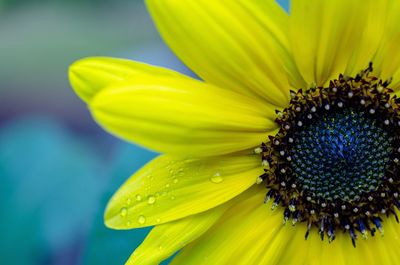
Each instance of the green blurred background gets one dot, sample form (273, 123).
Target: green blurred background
(57, 167)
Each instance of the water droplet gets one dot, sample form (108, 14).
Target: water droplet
(151, 199)
(216, 178)
(175, 180)
(128, 223)
(158, 220)
(138, 197)
(172, 197)
(128, 201)
(123, 212)
(180, 172)
(167, 186)
(141, 219)
(160, 247)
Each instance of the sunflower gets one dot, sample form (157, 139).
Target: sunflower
(285, 152)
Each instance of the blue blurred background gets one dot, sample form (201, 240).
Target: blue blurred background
(57, 167)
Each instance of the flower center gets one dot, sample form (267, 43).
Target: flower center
(335, 161)
(342, 154)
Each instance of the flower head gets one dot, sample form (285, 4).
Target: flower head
(305, 103)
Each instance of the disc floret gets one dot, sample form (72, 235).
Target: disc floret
(334, 163)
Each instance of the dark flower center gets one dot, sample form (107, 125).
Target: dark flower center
(342, 154)
(335, 161)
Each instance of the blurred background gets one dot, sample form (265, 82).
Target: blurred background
(57, 167)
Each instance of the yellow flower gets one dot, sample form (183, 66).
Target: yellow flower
(303, 102)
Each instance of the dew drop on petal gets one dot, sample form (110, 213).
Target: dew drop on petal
(175, 180)
(128, 201)
(180, 172)
(123, 212)
(216, 178)
(158, 220)
(151, 199)
(141, 219)
(138, 197)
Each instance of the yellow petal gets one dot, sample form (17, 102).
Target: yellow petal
(182, 116)
(379, 40)
(249, 233)
(89, 75)
(246, 234)
(372, 32)
(169, 188)
(238, 45)
(375, 250)
(324, 35)
(164, 240)
(395, 85)
(387, 58)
